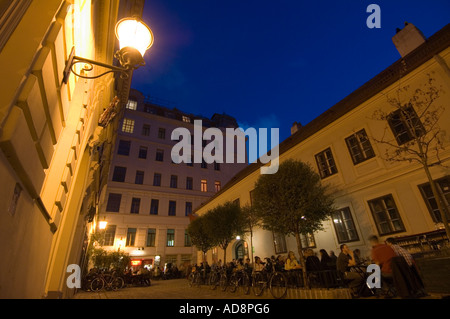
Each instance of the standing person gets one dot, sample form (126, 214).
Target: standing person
(382, 255)
(344, 262)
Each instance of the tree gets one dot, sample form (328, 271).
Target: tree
(251, 221)
(225, 222)
(292, 202)
(200, 236)
(417, 136)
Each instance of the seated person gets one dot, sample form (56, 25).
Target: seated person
(343, 264)
(291, 262)
(312, 262)
(259, 265)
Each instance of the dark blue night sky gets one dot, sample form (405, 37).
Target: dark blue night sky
(270, 63)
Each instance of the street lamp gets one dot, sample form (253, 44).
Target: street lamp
(102, 224)
(135, 38)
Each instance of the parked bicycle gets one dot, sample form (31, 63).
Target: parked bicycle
(240, 279)
(269, 278)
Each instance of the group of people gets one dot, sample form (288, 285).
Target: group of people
(393, 260)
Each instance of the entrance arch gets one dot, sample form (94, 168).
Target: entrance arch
(240, 249)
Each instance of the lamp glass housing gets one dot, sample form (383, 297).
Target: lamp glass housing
(102, 224)
(132, 32)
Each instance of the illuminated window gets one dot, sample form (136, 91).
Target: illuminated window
(131, 237)
(186, 119)
(110, 233)
(128, 126)
(170, 237)
(279, 242)
(204, 185)
(308, 240)
(344, 226)
(217, 186)
(132, 105)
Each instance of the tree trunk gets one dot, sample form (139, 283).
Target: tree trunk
(251, 247)
(302, 259)
(224, 247)
(443, 210)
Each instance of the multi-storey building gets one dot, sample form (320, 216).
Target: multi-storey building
(149, 198)
(50, 136)
(373, 196)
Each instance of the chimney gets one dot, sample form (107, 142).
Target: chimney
(295, 127)
(408, 39)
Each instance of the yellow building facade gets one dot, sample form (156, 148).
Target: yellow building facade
(373, 196)
(52, 149)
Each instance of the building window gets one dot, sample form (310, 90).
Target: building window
(110, 234)
(145, 130)
(173, 181)
(159, 155)
(191, 163)
(279, 242)
(131, 237)
(344, 226)
(154, 207)
(119, 174)
(170, 237)
(405, 124)
(132, 105)
(139, 177)
(204, 185)
(128, 126)
(217, 186)
(308, 240)
(135, 204)
(113, 202)
(187, 239)
(143, 152)
(386, 216)
(188, 210)
(124, 147)
(172, 208)
(216, 166)
(162, 133)
(186, 119)
(151, 237)
(157, 179)
(189, 183)
(359, 147)
(325, 163)
(443, 187)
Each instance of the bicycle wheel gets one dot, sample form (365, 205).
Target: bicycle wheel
(97, 284)
(234, 283)
(245, 283)
(278, 285)
(117, 283)
(259, 283)
(223, 282)
(213, 280)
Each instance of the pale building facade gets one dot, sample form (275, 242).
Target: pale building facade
(50, 137)
(149, 198)
(372, 196)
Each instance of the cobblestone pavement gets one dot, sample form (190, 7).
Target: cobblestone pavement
(166, 289)
(179, 289)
